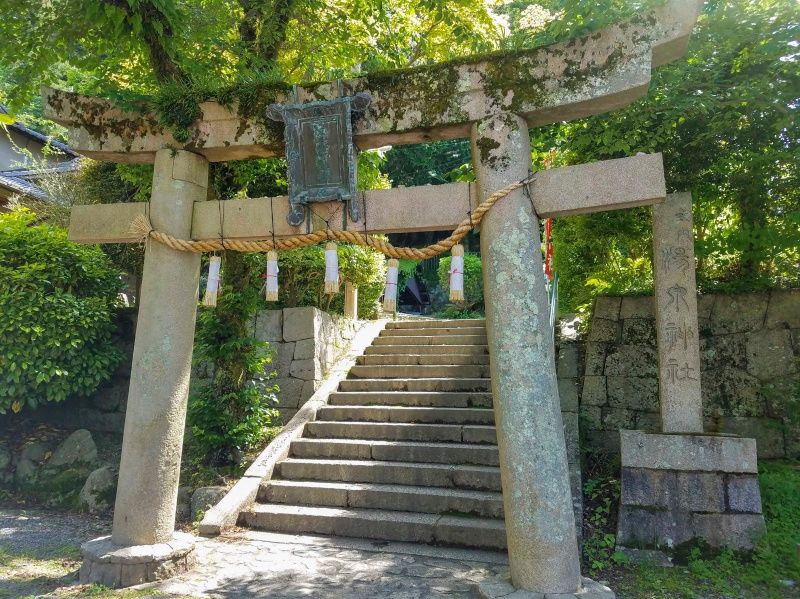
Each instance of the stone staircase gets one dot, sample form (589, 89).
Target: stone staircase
(405, 450)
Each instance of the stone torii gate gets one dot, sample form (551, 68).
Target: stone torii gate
(493, 100)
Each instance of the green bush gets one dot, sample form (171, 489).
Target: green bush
(302, 278)
(473, 281)
(56, 306)
(231, 411)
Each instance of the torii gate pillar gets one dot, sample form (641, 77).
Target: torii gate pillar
(540, 524)
(143, 545)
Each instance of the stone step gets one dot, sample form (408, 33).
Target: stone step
(444, 331)
(403, 498)
(478, 478)
(423, 359)
(396, 451)
(437, 384)
(435, 324)
(447, 433)
(432, 340)
(433, 399)
(420, 372)
(390, 414)
(465, 531)
(385, 350)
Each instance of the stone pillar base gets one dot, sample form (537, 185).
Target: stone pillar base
(680, 487)
(118, 566)
(500, 586)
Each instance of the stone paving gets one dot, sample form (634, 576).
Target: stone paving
(280, 566)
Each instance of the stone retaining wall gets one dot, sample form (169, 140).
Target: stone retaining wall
(307, 342)
(749, 350)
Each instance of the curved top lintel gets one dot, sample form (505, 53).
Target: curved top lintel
(596, 73)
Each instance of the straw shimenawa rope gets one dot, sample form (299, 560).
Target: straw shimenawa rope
(143, 229)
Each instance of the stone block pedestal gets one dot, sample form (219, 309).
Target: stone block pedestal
(118, 566)
(681, 487)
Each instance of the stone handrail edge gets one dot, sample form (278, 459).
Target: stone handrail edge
(225, 514)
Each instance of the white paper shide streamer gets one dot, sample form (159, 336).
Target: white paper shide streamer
(271, 287)
(390, 292)
(331, 268)
(457, 274)
(213, 282)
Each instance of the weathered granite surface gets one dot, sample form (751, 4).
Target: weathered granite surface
(677, 338)
(749, 356)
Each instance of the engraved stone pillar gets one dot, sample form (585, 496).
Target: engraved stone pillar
(676, 316)
(144, 513)
(350, 300)
(540, 524)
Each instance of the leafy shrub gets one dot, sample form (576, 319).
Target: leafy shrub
(473, 281)
(56, 307)
(302, 278)
(232, 411)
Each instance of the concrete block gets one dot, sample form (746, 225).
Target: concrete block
(701, 492)
(269, 325)
(737, 531)
(595, 358)
(290, 392)
(631, 360)
(305, 370)
(568, 362)
(300, 323)
(305, 349)
(770, 354)
(618, 418)
(739, 313)
(784, 309)
(645, 487)
(603, 330)
(639, 331)
(635, 393)
(688, 452)
(744, 494)
(645, 527)
(568, 394)
(594, 391)
(637, 307)
(607, 307)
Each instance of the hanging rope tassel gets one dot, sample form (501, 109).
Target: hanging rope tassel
(390, 292)
(457, 274)
(331, 268)
(271, 292)
(213, 282)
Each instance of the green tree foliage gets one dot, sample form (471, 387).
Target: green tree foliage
(725, 119)
(57, 300)
(302, 278)
(232, 409)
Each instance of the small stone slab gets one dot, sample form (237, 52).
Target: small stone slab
(500, 587)
(701, 452)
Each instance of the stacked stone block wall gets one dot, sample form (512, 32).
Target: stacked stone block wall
(679, 487)
(750, 373)
(306, 343)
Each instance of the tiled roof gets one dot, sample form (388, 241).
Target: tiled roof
(40, 137)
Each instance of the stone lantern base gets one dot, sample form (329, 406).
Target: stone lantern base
(681, 487)
(500, 586)
(118, 566)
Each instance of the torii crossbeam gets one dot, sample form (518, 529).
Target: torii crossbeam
(493, 100)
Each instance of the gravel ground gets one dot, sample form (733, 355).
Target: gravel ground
(46, 534)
